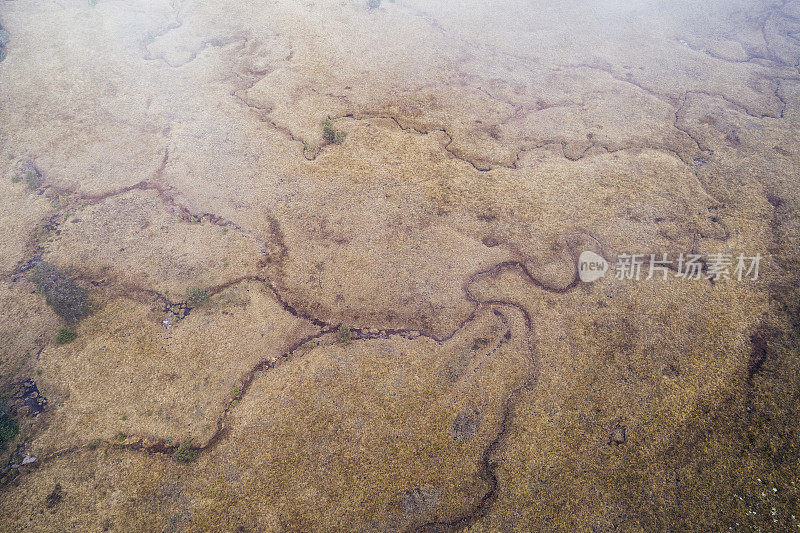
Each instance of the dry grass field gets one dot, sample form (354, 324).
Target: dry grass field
(314, 265)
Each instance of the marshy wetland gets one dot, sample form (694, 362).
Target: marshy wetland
(319, 265)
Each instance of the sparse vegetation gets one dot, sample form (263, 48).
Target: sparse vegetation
(65, 336)
(330, 133)
(344, 335)
(195, 297)
(120, 437)
(69, 300)
(235, 392)
(185, 453)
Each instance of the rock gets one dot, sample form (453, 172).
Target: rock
(618, 435)
(419, 500)
(29, 398)
(54, 498)
(465, 425)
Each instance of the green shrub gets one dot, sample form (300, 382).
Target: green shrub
(8, 428)
(32, 179)
(185, 453)
(195, 297)
(330, 133)
(344, 334)
(8, 431)
(3, 42)
(31, 175)
(67, 298)
(65, 336)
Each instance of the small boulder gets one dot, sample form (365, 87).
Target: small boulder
(618, 435)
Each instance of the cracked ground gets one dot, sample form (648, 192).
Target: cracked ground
(380, 326)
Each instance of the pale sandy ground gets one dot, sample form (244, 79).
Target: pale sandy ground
(487, 143)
